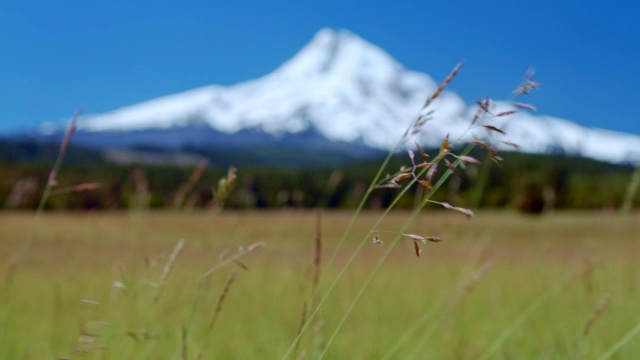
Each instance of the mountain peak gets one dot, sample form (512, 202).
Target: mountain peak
(346, 89)
(334, 35)
(338, 50)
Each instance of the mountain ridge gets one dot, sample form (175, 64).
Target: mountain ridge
(351, 91)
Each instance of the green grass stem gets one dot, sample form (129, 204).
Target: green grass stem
(391, 246)
(620, 343)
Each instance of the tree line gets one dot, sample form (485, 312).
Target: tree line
(531, 183)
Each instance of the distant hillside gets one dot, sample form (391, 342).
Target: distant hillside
(317, 153)
(31, 151)
(297, 179)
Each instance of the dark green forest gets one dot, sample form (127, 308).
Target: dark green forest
(531, 183)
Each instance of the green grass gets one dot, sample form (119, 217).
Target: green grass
(520, 308)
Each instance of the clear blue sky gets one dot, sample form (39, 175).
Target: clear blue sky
(58, 55)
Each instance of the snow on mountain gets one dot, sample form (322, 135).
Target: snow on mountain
(349, 90)
(340, 85)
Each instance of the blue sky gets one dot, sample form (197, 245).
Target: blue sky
(59, 55)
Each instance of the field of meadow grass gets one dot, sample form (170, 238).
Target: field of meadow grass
(285, 284)
(233, 285)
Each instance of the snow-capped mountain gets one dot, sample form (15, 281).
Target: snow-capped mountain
(341, 86)
(343, 89)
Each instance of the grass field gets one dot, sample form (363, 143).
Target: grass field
(503, 286)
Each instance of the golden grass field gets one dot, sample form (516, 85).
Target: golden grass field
(503, 286)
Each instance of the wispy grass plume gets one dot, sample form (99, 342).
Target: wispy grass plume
(168, 267)
(595, 314)
(50, 184)
(187, 187)
(315, 280)
(218, 310)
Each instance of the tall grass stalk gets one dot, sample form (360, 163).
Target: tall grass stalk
(15, 267)
(485, 170)
(620, 343)
(481, 182)
(184, 353)
(168, 267)
(595, 314)
(51, 183)
(385, 163)
(632, 190)
(218, 310)
(201, 283)
(315, 280)
(444, 151)
(354, 255)
(390, 248)
(329, 189)
(363, 201)
(233, 258)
